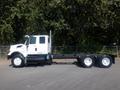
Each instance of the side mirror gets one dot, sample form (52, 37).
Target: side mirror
(27, 40)
(27, 36)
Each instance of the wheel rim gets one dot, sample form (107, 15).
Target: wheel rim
(17, 61)
(88, 61)
(106, 61)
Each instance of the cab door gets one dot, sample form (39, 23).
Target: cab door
(32, 46)
(43, 45)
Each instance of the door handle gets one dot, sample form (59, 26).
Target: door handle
(35, 49)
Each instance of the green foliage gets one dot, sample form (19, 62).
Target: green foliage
(6, 32)
(6, 29)
(80, 23)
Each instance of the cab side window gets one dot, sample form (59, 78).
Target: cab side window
(42, 40)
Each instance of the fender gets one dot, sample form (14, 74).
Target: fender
(10, 55)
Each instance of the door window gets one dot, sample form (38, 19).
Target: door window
(42, 40)
(32, 40)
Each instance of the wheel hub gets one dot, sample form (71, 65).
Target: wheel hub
(17, 61)
(105, 61)
(88, 61)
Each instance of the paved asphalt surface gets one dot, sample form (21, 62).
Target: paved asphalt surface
(59, 76)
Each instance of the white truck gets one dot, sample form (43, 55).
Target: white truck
(37, 48)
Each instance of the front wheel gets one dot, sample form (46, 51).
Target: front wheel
(17, 61)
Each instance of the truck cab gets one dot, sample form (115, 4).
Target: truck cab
(36, 48)
(37, 44)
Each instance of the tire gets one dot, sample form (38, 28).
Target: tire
(105, 62)
(87, 61)
(17, 61)
(78, 59)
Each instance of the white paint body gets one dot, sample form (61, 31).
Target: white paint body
(35, 44)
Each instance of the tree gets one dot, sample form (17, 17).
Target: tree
(6, 30)
(73, 22)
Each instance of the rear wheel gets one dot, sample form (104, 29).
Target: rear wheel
(17, 61)
(105, 61)
(87, 61)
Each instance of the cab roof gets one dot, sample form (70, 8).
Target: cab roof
(37, 35)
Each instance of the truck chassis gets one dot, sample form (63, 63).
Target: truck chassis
(38, 48)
